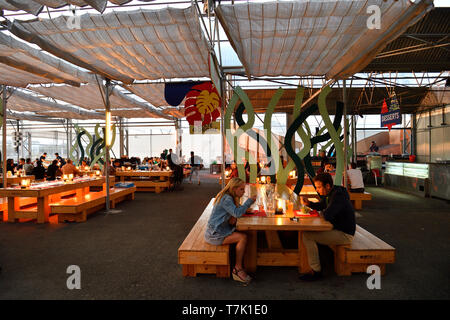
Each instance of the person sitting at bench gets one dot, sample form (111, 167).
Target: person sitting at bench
(221, 224)
(338, 210)
(355, 179)
(234, 171)
(69, 168)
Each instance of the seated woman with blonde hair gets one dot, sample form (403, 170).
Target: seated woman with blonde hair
(221, 223)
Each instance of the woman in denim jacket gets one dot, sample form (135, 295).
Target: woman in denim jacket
(221, 223)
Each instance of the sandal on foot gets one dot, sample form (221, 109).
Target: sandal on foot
(238, 276)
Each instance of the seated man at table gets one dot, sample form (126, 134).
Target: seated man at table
(38, 171)
(69, 168)
(53, 171)
(338, 210)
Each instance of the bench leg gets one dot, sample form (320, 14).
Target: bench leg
(83, 216)
(113, 204)
(189, 270)
(222, 271)
(357, 204)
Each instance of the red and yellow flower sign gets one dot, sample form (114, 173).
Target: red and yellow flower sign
(202, 104)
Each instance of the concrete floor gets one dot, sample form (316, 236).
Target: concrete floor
(133, 254)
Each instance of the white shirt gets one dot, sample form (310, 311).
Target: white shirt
(356, 178)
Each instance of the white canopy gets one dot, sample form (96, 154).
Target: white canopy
(35, 6)
(140, 44)
(314, 37)
(26, 101)
(89, 97)
(34, 66)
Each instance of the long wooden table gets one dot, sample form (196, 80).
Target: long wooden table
(45, 193)
(142, 181)
(16, 180)
(275, 254)
(289, 182)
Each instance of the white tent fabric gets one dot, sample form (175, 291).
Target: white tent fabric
(35, 6)
(140, 44)
(18, 78)
(145, 106)
(21, 56)
(132, 113)
(25, 101)
(177, 112)
(31, 117)
(313, 37)
(151, 92)
(89, 97)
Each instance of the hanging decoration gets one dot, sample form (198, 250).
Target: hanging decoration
(202, 108)
(390, 115)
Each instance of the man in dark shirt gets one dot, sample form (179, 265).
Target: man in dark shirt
(373, 147)
(42, 158)
(53, 171)
(39, 171)
(338, 210)
(60, 159)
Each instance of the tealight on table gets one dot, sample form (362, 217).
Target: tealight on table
(45, 193)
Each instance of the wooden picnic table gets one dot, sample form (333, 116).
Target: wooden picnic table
(45, 193)
(275, 254)
(143, 179)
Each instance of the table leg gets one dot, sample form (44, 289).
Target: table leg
(43, 209)
(251, 252)
(303, 255)
(13, 206)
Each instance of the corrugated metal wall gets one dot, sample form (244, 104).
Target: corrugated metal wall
(433, 135)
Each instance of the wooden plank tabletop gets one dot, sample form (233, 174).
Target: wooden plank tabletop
(143, 173)
(16, 179)
(47, 188)
(276, 223)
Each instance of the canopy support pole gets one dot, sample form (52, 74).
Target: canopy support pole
(121, 137)
(4, 106)
(222, 127)
(108, 139)
(68, 138)
(344, 93)
(18, 140)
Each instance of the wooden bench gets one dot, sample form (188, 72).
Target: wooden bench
(365, 250)
(152, 185)
(197, 256)
(77, 210)
(358, 198)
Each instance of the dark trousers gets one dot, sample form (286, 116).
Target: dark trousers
(358, 190)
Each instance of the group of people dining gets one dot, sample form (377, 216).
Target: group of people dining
(42, 169)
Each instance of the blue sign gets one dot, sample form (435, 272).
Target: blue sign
(388, 119)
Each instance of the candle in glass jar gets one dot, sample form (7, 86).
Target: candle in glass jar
(25, 183)
(263, 179)
(97, 173)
